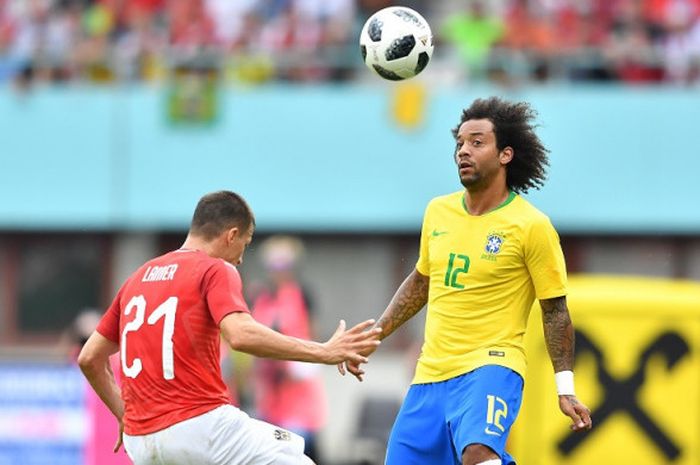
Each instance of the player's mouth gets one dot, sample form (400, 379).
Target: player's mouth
(464, 167)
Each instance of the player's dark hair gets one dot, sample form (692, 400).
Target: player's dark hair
(514, 127)
(218, 211)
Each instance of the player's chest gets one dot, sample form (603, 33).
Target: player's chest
(474, 251)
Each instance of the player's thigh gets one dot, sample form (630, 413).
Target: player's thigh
(420, 433)
(276, 446)
(483, 406)
(242, 440)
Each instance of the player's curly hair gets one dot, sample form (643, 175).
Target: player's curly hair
(514, 127)
(218, 211)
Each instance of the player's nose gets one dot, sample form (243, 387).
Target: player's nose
(462, 154)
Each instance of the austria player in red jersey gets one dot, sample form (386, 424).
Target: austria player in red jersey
(166, 320)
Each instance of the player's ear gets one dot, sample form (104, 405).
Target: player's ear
(232, 234)
(506, 155)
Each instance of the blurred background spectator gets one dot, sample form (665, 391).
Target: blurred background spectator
(472, 33)
(288, 394)
(506, 41)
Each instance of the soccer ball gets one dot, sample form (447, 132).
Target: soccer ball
(396, 43)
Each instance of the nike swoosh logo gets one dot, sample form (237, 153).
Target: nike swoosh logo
(492, 433)
(438, 233)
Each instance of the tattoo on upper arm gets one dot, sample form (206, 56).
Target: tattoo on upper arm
(558, 333)
(411, 296)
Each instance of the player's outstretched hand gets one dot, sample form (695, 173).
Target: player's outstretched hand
(579, 413)
(351, 345)
(354, 367)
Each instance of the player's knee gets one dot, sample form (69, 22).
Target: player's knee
(479, 454)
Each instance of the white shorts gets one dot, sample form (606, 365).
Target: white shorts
(223, 436)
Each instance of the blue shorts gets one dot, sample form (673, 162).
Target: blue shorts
(437, 421)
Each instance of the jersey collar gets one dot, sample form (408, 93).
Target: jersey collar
(509, 199)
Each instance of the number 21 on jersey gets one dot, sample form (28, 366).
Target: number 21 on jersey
(165, 310)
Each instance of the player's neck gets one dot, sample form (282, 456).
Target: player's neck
(197, 243)
(480, 200)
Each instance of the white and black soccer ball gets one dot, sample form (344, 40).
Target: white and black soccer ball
(396, 43)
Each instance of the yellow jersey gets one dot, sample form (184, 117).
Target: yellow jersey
(485, 272)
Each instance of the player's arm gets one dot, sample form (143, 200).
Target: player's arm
(409, 299)
(94, 363)
(559, 337)
(244, 334)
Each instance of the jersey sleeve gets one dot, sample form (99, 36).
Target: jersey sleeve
(109, 324)
(223, 291)
(423, 263)
(545, 260)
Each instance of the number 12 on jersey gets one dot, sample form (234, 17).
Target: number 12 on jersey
(165, 310)
(452, 270)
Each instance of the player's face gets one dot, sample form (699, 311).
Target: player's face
(237, 243)
(477, 157)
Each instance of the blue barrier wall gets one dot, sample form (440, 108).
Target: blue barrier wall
(332, 158)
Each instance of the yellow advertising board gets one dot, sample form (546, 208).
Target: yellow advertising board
(637, 368)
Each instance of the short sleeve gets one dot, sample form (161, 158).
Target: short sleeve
(423, 263)
(109, 324)
(223, 291)
(545, 260)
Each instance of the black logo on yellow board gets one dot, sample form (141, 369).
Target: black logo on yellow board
(620, 395)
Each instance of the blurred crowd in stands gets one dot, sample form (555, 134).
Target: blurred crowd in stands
(253, 41)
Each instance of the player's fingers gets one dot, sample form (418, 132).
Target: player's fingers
(361, 327)
(365, 340)
(585, 416)
(339, 331)
(357, 359)
(372, 333)
(118, 445)
(353, 368)
(356, 371)
(578, 423)
(372, 344)
(341, 368)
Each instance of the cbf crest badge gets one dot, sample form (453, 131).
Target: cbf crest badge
(494, 244)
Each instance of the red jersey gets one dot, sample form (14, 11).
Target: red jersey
(165, 319)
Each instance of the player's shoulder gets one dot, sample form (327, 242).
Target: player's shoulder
(209, 263)
(228, 266)
(529, 213)
(218, 265)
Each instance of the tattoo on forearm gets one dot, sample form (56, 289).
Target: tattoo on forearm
(410, 297)
(558, 333)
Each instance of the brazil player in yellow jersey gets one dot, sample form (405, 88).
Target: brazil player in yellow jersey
(485, 254)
